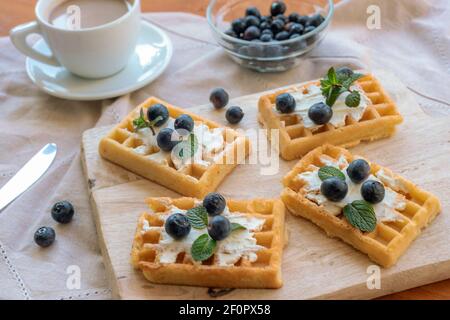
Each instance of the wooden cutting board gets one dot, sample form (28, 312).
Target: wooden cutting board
(314, 266)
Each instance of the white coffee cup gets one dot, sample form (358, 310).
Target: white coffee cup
(95, 52)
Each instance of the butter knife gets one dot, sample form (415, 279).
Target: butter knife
(29, 174)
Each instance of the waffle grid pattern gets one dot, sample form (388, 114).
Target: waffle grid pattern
(390, 239)
(378, 121)
(192, 179)
(265, 272)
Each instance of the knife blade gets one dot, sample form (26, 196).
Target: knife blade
(28, 175)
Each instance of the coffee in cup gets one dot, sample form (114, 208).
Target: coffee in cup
(100, 45)
(91, 13)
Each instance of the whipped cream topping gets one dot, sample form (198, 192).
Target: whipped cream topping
(239, 244)
(384, 211)
(210, 147)
(340, 110)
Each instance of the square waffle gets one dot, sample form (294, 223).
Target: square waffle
(378, 121)
(265, 272)
(192, 180)
(390, 239)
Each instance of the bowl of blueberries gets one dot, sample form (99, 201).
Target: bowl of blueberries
(267, 35)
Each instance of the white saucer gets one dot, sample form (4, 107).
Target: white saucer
(152, 55)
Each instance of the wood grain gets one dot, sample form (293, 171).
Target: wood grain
(314, 266)
(15, 12)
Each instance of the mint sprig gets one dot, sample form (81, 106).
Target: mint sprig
(327, 172)
(141, 123)
(203, 247)
(334, 84)
(198, 217)
(361, 215)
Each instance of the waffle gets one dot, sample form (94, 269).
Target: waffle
(194, 180)
(378, 121)
(265, 272)
(390, 239)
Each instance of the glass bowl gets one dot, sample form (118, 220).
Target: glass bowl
(272, 56)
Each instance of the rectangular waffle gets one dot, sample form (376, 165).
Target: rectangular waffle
(265, 272)
(379, 121)
(193, 180)
(390, 239)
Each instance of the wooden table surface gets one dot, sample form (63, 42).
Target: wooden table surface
(19, 11)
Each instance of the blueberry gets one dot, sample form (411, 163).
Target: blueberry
(231, 33)
(273, 51)
(185, 122)
(285, 103)
(315, 20)
(166, 139)
(219, 228)
(308, 29)
(282, 18)
(158, 110)
(283, 35)
(277, 7)
(372, 191)
(277, 25)
(267, 31)
(266, 37)
(294, 17)
(252, 11)
(244, 51)
(214, 203)
(267, 19)
(62, 211)
(358, 170)
(297, 45)
(234, 115)
(295, 28)
(219, 98)
(254, 49)
(320, 113)
(264, 26)
(344, 72)
(238, 26)
(303, 20)
(251, 33)
(334, 189)
(177, 226)
(251, 21)
(44, 236)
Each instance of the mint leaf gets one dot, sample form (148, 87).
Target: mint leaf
(349, 81)
(327, 172)
(353, 99)
(332, 77)
(333, 85)
(203, 247)
(198, 217)
(333, 94)
(140, 123)
(361, 215)
(236, 226)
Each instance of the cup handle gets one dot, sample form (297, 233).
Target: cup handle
(19, 37)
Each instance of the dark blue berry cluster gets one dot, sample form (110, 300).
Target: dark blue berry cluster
(274, 27)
